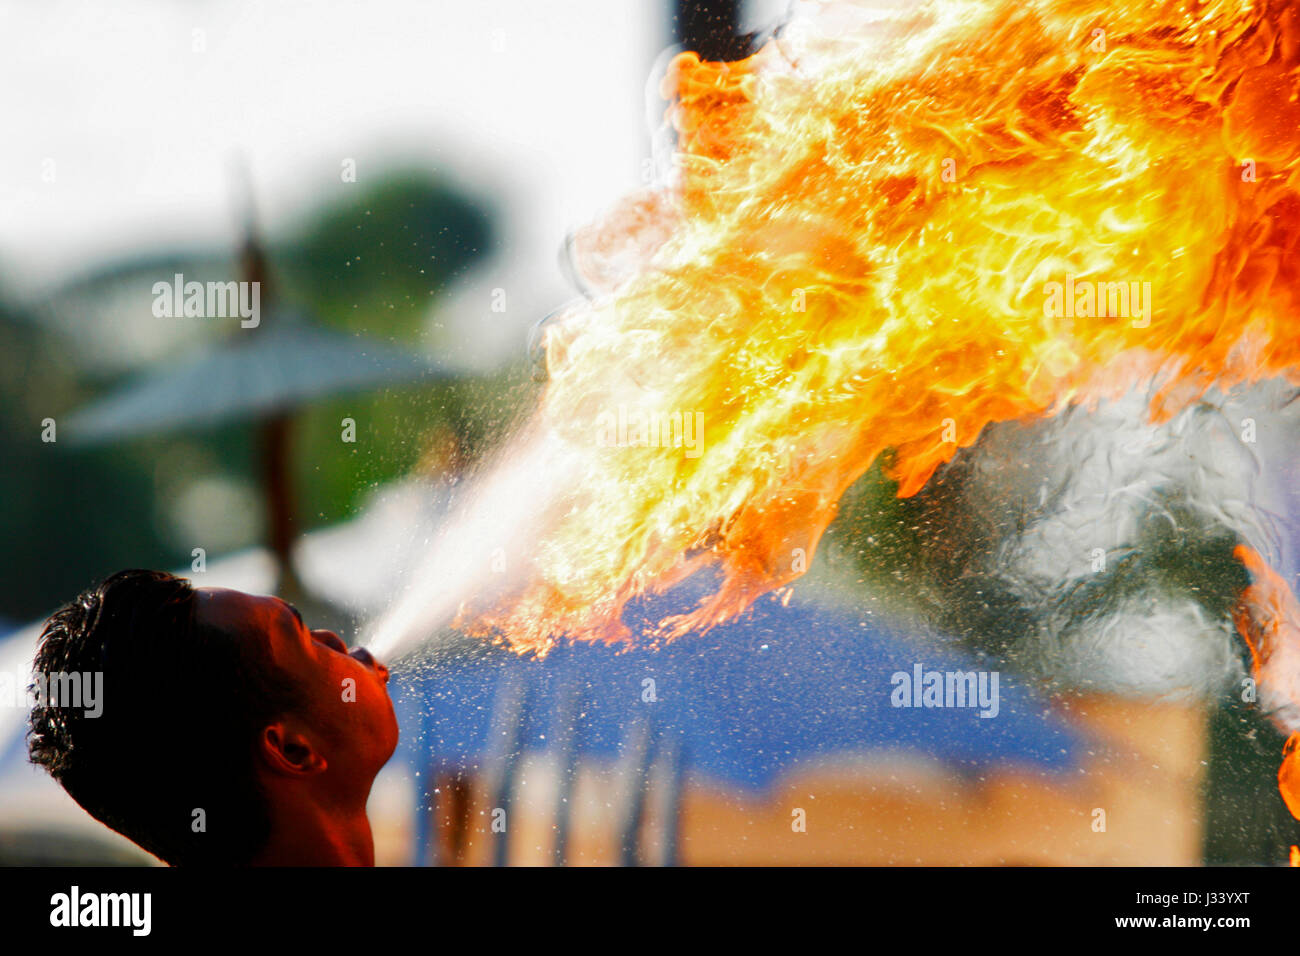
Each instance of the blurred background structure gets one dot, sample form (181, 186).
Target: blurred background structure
(416, 169)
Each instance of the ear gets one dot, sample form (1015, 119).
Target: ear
(288, 751)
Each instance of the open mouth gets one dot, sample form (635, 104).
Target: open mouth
(368, 660)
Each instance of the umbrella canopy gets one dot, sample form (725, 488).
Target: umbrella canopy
(257, 374)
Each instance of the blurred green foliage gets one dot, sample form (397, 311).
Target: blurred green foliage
(62, 517)
(371, 263)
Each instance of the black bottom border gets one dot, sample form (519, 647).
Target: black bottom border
(962, 905)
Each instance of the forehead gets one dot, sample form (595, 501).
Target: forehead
(223, 606)
(250, 616)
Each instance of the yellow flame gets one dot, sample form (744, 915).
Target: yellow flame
(867, 247)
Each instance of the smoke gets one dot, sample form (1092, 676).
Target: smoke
(492, 531)
(1096, 548)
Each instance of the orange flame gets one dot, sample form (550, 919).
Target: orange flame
(1288, 775)
(1268, 618)
(885, 240)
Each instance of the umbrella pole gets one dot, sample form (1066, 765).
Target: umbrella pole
(641, 747)
(276, 482)
(566, 748)
(508, 718)
(671, 855)
(278, 492)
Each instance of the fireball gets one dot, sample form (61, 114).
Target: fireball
(885, 231)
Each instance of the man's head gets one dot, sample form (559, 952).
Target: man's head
(221, 712)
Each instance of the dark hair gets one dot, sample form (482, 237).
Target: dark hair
(182, 708)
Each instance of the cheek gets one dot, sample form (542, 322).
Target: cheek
(340, 699)
(366, 707)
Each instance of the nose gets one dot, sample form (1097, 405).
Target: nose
(365, 657)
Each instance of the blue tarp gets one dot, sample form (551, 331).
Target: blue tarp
(752, 700)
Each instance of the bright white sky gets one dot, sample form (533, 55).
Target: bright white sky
(540, 106)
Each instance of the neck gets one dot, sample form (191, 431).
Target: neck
(308, 831)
